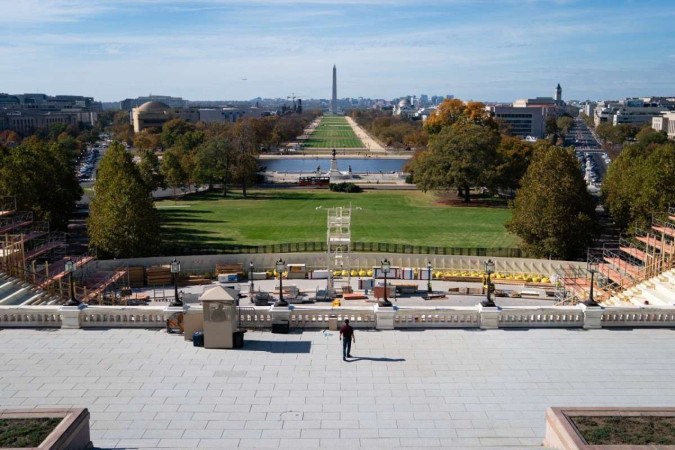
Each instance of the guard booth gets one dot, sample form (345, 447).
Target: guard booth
(220, 318)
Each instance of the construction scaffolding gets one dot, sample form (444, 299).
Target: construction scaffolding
(339, 241)
(634, 259)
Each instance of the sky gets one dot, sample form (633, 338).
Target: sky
(484, 50)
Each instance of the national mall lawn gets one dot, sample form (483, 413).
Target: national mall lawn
(274, 216)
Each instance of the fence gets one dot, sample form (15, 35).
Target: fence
(378, 247)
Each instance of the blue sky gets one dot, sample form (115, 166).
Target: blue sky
(488, 50)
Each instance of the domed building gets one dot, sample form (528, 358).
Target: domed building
(404, 108)
(155, 114)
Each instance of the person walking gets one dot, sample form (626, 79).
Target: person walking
(347, 337)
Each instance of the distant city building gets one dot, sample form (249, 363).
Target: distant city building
(522, 121)
(665, 122)
(25, 113)
(632, 111)
(173, 102)
(155, 114)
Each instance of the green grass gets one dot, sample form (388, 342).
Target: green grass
(281, 216)
(333, 132)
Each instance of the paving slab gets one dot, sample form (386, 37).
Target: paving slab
(450, 388)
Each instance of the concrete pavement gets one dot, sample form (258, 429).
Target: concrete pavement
(424, 388)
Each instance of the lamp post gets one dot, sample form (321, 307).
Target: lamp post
(250, 276)
(281, 266)
(489, 269)
(429, 291)
(69, 269)
(175, 270)
(592, 268)
(386, 265)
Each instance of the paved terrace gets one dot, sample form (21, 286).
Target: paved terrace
(452, 388)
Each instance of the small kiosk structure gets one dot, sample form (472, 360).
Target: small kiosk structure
(220, 318)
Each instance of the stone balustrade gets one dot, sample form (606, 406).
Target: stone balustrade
(319, 317)
(30, 316)
(544, 317)
(124, 316)
(420, 317)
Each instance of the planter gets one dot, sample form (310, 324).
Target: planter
(563, 433)
(71, 433)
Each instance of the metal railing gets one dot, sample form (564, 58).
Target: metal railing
(378, 247)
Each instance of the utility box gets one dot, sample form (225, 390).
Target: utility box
(193, 320)
(220, 318)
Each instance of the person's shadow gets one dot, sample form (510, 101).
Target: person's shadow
(369, 358)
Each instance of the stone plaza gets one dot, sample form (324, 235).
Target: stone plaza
(436, 388)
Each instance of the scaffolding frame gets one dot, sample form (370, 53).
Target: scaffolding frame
(338, 240)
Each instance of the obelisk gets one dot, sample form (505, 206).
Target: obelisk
(333, 102)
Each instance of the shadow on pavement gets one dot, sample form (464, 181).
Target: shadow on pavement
(370, 358)
(278, 346)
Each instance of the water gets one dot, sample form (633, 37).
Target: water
(358, 165)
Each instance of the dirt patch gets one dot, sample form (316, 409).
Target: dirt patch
(626, 430)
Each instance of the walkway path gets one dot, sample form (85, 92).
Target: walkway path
(370, 143)
(457, 389)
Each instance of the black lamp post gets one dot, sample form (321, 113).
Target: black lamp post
(281, 266)
(69, 269)
(386, 265)
(489, 269)
(429, 291)
(592, 268)
(250, 276)
(175, 270)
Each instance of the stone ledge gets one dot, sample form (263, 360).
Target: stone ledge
(72, 433)
(561, 433)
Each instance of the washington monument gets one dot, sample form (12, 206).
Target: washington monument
(333, 102)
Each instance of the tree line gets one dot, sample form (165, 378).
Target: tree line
(123, 220)
(39, 171)
(553, 213)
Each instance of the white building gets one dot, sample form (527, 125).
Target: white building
(522, 121)
(665, 122)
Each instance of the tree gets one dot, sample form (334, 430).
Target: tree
(553, 213)
(123, 221)
(173, 130)
(647, 135)
(213, 161)
(42, 178)
(447, 113)
(150, 172)
(459, 156)
(148, 139)
(245, 159)
(639, 182)
(173, 171)
(513, 159)
(564, 123)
